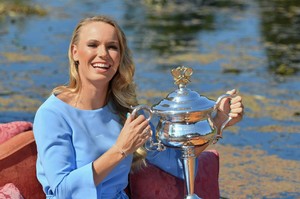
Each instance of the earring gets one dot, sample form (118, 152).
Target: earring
(76, 63)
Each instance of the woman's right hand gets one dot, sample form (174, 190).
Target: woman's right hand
(134, 134)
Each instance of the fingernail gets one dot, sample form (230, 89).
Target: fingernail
(128, 115)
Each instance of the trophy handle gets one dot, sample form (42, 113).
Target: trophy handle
(142, 107)
(220, 131)
(153, 146)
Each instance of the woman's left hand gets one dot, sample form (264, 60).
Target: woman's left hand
(233, 107)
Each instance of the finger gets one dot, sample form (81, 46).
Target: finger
(236, 115)
(144, 125)
(146, 131)
(237, 111)
(236, 99)
(233, 115)
(149, 135)
(231, 92)
(128, 119)
(139, 120)
(236, 105)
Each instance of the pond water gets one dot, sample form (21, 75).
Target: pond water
(253, 46)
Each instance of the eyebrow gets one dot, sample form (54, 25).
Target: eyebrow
(110, 42)
(113, 42)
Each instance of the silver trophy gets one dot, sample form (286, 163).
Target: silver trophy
(185, 123)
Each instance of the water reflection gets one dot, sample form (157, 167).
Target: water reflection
(170, 27)
(280, 26)
(14, 14)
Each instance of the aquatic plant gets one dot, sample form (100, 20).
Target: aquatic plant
(19, 7)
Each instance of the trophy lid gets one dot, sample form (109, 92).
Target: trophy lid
(183, 100)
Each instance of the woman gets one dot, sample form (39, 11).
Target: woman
(85, 137)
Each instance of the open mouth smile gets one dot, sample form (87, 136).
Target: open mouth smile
(101, 65)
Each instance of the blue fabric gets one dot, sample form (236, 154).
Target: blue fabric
(69, 140)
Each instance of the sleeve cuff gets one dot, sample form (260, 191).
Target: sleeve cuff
(82, 181)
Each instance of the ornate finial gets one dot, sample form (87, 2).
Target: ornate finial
(182, 75)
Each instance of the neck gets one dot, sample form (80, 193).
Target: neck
(90, 98)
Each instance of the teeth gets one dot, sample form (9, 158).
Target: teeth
(98, 65)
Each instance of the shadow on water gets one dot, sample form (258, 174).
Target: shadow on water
(249, 45)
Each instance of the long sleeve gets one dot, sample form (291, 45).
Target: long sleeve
(68, 141)
(56, 159)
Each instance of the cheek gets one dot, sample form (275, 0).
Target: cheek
(84, 54)
(115, 57)
(117, 61)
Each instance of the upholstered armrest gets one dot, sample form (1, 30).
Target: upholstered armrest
(15, 143)
(18, 165)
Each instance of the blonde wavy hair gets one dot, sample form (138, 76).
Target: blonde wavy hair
(122, 89)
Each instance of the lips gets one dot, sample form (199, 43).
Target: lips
(101, 65)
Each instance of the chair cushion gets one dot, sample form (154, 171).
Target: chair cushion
(9, 130)
(152, 182)
(10, 191)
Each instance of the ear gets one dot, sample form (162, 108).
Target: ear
(74, 52)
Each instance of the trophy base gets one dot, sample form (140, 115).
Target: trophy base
(194, 196)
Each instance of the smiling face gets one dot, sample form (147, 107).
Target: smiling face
(98, 53)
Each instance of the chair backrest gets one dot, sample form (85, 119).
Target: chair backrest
(18, 165)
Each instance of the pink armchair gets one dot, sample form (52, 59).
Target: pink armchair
(17, 165)
(18, 174)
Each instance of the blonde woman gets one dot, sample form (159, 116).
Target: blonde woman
(85, 135)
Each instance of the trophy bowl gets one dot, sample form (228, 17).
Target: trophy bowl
(186, 122)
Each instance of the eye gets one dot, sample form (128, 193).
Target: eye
(92, 45)
(113, 47)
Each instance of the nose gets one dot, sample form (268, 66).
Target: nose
(102, 52)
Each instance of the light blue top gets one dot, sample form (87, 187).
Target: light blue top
(69, 140)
